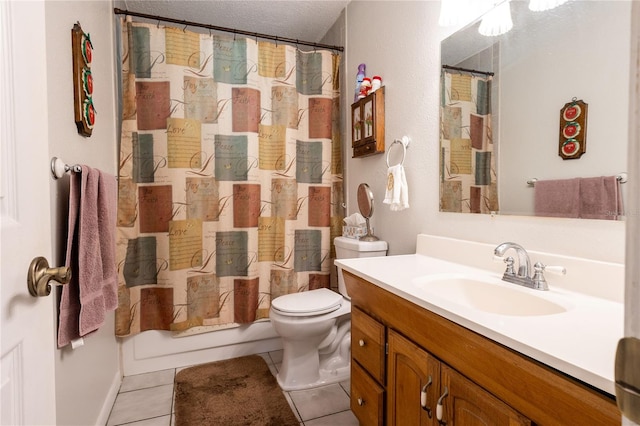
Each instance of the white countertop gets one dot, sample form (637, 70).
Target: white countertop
(580, 342)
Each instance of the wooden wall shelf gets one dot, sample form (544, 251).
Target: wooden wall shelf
(367, 124)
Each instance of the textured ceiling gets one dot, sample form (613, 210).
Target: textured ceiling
(301, 20)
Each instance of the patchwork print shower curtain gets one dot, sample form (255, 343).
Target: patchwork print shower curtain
(230, 181)
(467, 161)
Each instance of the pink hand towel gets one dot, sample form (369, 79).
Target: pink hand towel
(557, 198)
(93, 289)
(600, 198)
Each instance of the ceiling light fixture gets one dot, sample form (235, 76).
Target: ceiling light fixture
(497, 21)
(542, 5)
(461, 12)
(451, 12)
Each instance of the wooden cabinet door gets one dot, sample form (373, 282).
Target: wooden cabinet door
(410, 369)
(467, 404)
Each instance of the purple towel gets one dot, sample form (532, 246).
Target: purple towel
(557, 198)
(587, 198)
(93, 289)
(600, 198)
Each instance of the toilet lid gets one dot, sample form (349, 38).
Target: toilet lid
(307, 303)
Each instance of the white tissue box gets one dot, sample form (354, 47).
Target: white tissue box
(354, 231)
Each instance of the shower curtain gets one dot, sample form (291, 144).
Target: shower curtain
(230, 177)
(468, 179)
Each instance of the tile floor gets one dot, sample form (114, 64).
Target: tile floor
(147, 400)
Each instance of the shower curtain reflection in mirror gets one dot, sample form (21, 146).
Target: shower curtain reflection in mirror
(230, 179)
(468, 179)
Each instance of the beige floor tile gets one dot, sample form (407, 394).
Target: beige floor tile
(147, 380)
(345, 418)
(141, 404)
(156, 421)
(319, 402)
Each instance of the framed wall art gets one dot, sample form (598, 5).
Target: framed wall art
(84, 111)
(573, 130)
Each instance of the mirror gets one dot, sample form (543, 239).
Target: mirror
(580, 50)
(365, 204)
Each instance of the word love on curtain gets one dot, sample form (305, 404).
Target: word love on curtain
(468, 180)
(230, 181)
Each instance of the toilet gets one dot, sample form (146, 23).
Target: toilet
(315, 326)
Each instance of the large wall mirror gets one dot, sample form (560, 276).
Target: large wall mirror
(521, 82)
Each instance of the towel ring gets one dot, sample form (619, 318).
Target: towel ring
(405, 143)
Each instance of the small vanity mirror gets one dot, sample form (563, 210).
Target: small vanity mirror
(500, 122)
(365, 204)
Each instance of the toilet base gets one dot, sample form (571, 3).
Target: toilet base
(326, 377)
(309, 363)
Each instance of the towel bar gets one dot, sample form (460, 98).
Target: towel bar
(59, 168)
(620, 177)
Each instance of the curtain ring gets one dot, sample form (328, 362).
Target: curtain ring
(276, 37)
(158, 24)
(297, 48)
(256, 35)
(184, 30)
(234, 34)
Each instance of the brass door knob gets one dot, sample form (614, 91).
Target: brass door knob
(40, 274)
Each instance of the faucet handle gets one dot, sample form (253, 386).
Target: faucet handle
(509, 261)
(558, 270)
(539, 282)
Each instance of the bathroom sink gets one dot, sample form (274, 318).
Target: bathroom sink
(486, 294)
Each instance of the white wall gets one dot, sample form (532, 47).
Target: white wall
(87, 378)
(400, 40)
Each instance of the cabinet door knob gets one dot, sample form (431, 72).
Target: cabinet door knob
(439, 407)
(360, 401)
(423, 397)
(361, 342)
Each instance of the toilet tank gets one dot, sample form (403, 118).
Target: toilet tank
(347, 248)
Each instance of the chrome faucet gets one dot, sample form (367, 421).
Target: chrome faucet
(537, 281)
(524, 263)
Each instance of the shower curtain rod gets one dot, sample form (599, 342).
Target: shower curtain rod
(467, 70)
(228, 30)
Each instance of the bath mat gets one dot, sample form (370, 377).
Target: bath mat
(239, 391)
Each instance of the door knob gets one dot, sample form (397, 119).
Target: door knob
(40, 274)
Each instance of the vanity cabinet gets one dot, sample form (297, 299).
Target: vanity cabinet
(414, 371)
(367, 124)
(487, 383)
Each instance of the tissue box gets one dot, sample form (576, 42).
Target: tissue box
(354, 231)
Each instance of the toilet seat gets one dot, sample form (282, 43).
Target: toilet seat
(307, 303)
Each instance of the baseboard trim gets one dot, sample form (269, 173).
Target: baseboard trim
(110, 399)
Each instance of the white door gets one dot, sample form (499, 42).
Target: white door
(26, 322)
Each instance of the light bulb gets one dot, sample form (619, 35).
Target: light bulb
(461, 12)
(542, 5)
(497, 21)
(448, 13)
